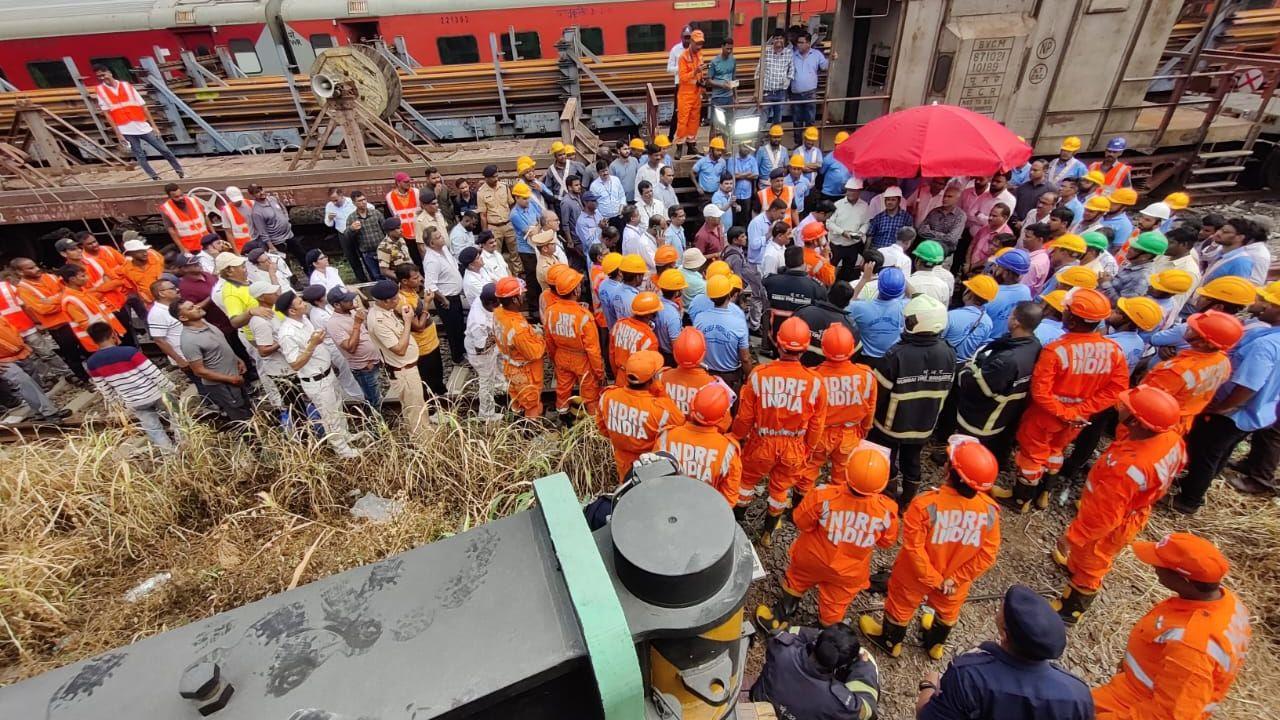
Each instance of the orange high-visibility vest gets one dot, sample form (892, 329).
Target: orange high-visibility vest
(85, 310)
(11, 309)
(114, 298)
(124, 105)
(1116, 177)
(788, 196)
(43, 299)
(237, 225)
(188, 222)
(404, 207)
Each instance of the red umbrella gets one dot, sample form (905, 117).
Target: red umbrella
(933, 141)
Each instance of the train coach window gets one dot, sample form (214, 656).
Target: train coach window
(592, 39)
(715, 31)
(321, 41)
(245, 56)
(119, 66)
(50, 74)
(528, 46)
(458, 49)
(755, 29)
(646, 38)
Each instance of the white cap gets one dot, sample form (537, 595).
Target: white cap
(892, 191)
(1157, 210)
(853, 183)
(712, 211)
(233, 194)
(135, 246)
(262, 287)
(693, 259)
(225, 260)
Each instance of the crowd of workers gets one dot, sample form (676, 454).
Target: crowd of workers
(1028, 314)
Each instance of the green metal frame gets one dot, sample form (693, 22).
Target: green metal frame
(600, 615)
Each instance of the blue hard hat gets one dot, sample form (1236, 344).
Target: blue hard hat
(1016, 260)
(891, 283)
(1116, 144)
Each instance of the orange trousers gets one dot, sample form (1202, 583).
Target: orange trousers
(1042, 442)
(906, 593)
(571, 369)
(624, 459)
(782, 459)
(525, 387)
(1089, 563)
(835, 591)
(1117, 701)
(689, 115)
(837, 445)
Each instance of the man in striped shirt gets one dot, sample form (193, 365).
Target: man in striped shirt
(124, 375)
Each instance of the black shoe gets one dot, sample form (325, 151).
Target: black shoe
(1249, 486)
(61, 414)
(879, 582)
(1184, 507)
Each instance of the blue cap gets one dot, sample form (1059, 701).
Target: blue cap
(1034, 629)
(891, 283)
(590, 197)
(1016, 260)
(384, 290)
(1116, 144)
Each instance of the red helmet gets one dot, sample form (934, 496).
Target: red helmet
(1219, 329)
(867, 471)
(793, 336)
(974, 463)
(710, 403)
(689, 347)
(837, 342)
(1156, 409)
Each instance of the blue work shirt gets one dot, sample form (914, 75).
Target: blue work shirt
(1058, 170)
(879, 323)
(675, 238)
(1253, 365)
(1048, 330)
(807, 66)
(1122, 226)
(757, 238)
(668, 324)
(588, 230)
(1236, 262)
(766, 164)
(834, 176)
(721, 68)
(708, 172)
(724, 202)
(702, 303)
(1167, 225)
(742, 189)
(1174, 336)
(1020, 175)
(801, 187)
(726, 333)
(621, 299)
(606, 292)
(987, 682)
(1002, 306)
(523, 218)
(1131, 342)
(611, 196)
(967, 330)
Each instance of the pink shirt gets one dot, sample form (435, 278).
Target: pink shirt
(984, 244)
(1038, 275)
(978, 206)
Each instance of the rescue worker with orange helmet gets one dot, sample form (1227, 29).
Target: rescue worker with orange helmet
(1183, 655)
(682, 382)
(701, 449)
(1076, 376)
(840, 525)
(950, 537)
(635, 333)
(851, 406)
(816, 262)
(573, 342)
(781, 416)
(634, 413)
(1130, 477)
(1193, 376)
(520, 346)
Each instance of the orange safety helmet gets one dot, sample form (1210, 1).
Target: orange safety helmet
(1156, 409)
(867, 471)
(666, 255)
(689, 347)
(837, 342)
(973, 462)
(1219, 329)
(553, 273)
(1088, 304)
(710, 403)
(813, 232)
(566, 281)
(508, 287)
(646, 303)
(793, 336)
(643, 365)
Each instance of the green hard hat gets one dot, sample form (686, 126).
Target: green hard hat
(1095, 240)
(1151, 242)
(930, 251)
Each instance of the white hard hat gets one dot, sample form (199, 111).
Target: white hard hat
(892, 191)
(135, 246)
(234, 194)
(930, 315)
(712, 211)
(1157, 210)
(853, 183)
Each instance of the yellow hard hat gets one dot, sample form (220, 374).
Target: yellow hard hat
(984, 286)
(524, 163)
(1070, 243)
(1096, 177)
(1071, 144)
(775, 131)
(611, 262)
(811, 133)
(633, 264)
(1174, 282)
(636, 144)
(570, 150)
(521, 190)
(1230, 289)
(1177, 200)
(1078, 276)
(1143, 311)
(718, 267)
(1270, 292)
(1124, 196)
(718, 287)
(717, 143)
(672, 279)
(1056, 300)
(1098, 203)
(797, 161)
(557, 147)
(662, 141)
(735, 282)
(842, 136)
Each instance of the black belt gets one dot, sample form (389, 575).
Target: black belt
(314, 378)
(395, 369)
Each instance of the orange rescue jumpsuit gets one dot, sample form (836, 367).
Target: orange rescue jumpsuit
(105, 283)
(1191, 377)
(84, 310)
(1075, 377)
(1124, 484)
(574, 345)
(781, 414)
(690, 96)
(819, 267)
(1181, 659)
(851, 409)
(521, 348)
(629, 335)
(945, 536)
(705, 453)
(681, 384)
(42, 299)
(632, 420)
(839, 529)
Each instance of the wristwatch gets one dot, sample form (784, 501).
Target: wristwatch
(926, 685)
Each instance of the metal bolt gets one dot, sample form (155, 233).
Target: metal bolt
(203, 684)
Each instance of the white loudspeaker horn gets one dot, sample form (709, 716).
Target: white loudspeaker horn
(322, 85)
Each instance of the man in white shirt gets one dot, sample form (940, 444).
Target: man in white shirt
(847, 229)
(650, 171)
(440, 277)
(337, 210)
(164, 329)
(608, 191)
(648, 205)
(129, 115)
(303, 347)
(463, 235)
(637, 241)
(278, 385)
(774, 258)
(319, 312)
(482, 351)
(493, 260)
(930, 278)
(926, 197)
(210, 246)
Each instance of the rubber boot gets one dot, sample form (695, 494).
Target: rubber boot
(1048, 484)
(739, 513)
(796, 499)
(1019, 499)
(1073, 604)
(771, 523)
(1059, 559)
(880, 581)
(887, 636)
(773, 619)
(934, 634)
